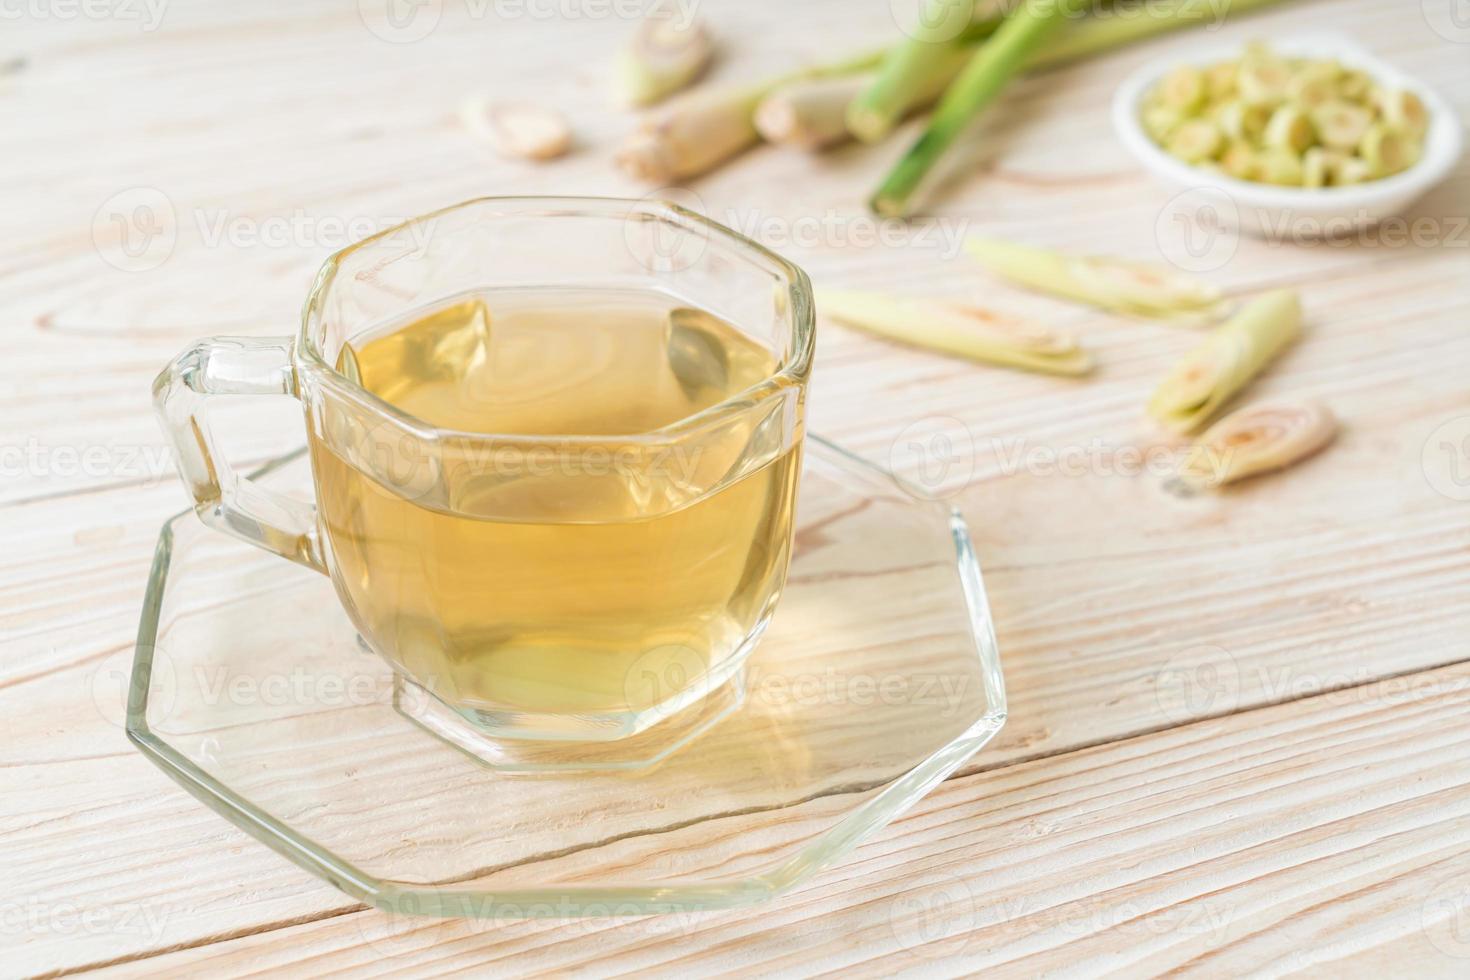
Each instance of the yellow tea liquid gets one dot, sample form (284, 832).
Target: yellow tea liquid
(574, 586)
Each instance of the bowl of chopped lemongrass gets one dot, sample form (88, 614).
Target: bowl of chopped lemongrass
(1309, 136)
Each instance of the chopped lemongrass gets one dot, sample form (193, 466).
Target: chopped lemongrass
(1240, 160)
(1263, 78)
(1160, 121)
(1289, 129)
(1111, 284)
(1225, 363)
(667, 52)
(1354, 85)
(1341, 125)
(1195, 141)
(1316, 167)
(953, 328)
(1403, 111)
(1242, 121)
(1350, 170)
(518, 129)
(1257, 439)
(1220, 81)
(1295, 122)
(1281, 166)
(1385, 151)
(1314, 84)
(1183, 89)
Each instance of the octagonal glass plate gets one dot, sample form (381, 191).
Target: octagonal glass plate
(877, 678)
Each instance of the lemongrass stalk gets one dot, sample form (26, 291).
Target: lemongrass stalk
(812, 114)
(1093, 35)
(809, 115)
(1031, 36)
(966, 331)
(663, 56)
(1257, 439)
(699, 130)
(1136, 288)
(1225, 363)
(927, 60)
(979, 82)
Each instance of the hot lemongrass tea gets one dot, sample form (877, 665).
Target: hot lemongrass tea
(557, 583)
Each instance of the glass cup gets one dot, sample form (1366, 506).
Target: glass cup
(577, 587)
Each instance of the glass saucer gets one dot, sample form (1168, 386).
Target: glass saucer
(877, 678)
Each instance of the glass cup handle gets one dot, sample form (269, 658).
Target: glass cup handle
(224, 500)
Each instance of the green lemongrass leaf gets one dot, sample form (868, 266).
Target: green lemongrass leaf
(1092, 35)
(1226, 362)
(917, 69)
(1112, 284)
(1257, 439)
(967, 331)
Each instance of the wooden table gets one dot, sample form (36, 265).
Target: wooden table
(1238, 740)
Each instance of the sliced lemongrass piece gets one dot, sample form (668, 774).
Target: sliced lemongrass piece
(1183, 89)
(1403, 111)
(953, 328)
(1313, 84)
(1233, 354)
(666, 53)
(1289, 129)
(1347, 171)
(1262, 78)
(1242, 121)
(1111, 284)
(1257, 439)
(1220, 80)
(1240, 160)
(1195, 141)
(1316, 167)
(1354, 85)
(1341, 125)
(1387, 152)
(1160, 121)
(1281, 166)
(517, 129)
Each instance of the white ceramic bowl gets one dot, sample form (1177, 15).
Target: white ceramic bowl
(1264, 208)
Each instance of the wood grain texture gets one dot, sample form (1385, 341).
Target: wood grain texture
(1123, 612)
(1292, 838)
